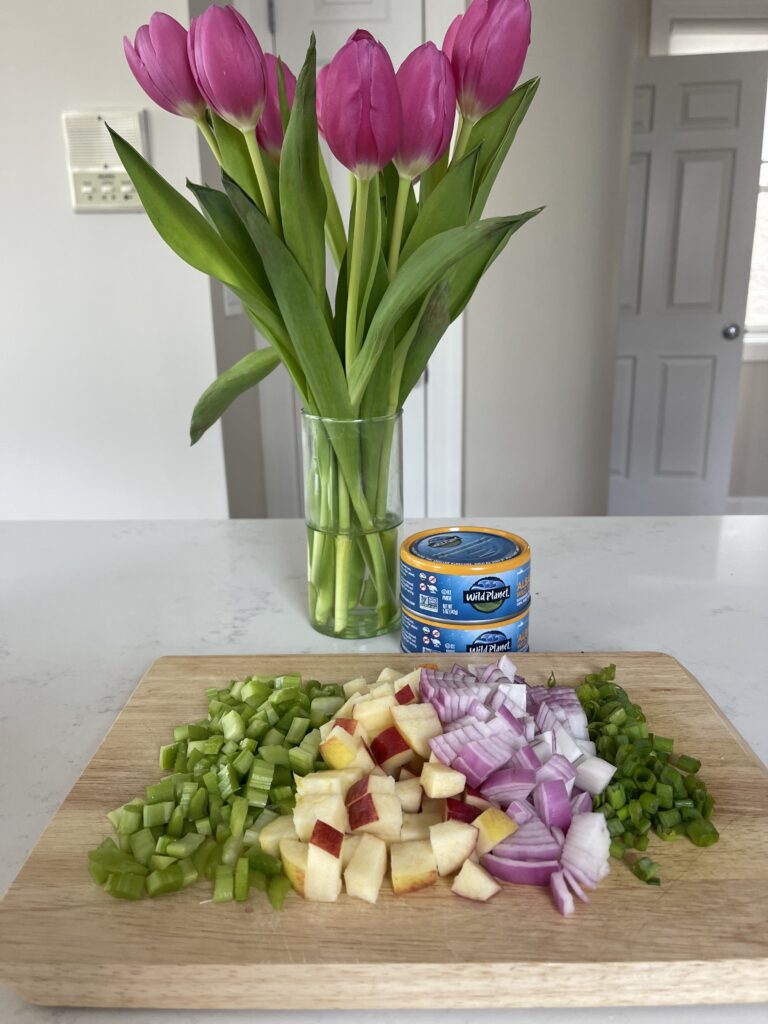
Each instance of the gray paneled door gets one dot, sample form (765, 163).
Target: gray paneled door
(691, 205)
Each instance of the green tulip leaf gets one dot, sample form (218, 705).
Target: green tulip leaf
(494, 134)
(415, 277)
(302, 313)
(217, 398)
(447, 207)
(433, 321)
(433, 176)
(303, 203)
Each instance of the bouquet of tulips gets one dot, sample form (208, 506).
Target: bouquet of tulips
(414, 252)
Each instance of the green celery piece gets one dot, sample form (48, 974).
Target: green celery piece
(186, 846)
(113, 817)
(248, 744)
(126, 887)
(198, 805)
(180, 764)
(130, 820)
(274, 754)
(646, 870)
(242, 763)
(274, 737)
(223, 888)
(236, 688)
(254, 692)
(115, 861)
(158, 861)
(280, 794)
(97, 872)
(327, 706)
(188, 790)
(175, 826)
(701, 832)
(231, 849)
(291, 680)
(284, 723)
(211, 782)
(203, 853)
(615, 827)
(663, 744)
(251, 836)
(193, 759)
(229, 748)
(708, 807)
(189, 872)
(213, 745)
(229, 782)
(311, 742)
(233, 726)
(264, 862)
(257, 881)
(142, 845)
(277, 889)
(617, 849)
(237, 816)
(300, 760)
(261, 775)
(258, 798)
(242, 880)
(161, 791)
(167, 757)
(169, 879)
(157, 814)
(256, 729)
(203, 826)
(179, 778)
(124, 843)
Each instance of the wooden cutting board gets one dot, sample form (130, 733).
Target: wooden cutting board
(702, 937)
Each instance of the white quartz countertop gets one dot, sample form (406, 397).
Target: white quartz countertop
(86, 607)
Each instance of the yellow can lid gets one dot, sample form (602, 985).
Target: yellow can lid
(464, 550)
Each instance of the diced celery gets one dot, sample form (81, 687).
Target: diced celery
(161, 845)
(258, 880)
(213, 745)
(124, 842)
(169, 879)
(233, 726)
(179, 778)
(185, 846)
(281, 794)
(248, 744)
(229, 748)
(180, 764)
(223, 888)
(161, 791)
(288, 681)
(297, 730)
(130, 820)
(274, 754)
(222, 833)
(257, 797)
(229, 782)
(97, 872)
(157, 814)
(198, 805)
(157, 862)
(235, 688)
(270, 714)
(277, 889)
(175, 826)
(237, 816)
(168, 756)
(264, 862)
(255, 693)
(272, 738)
(189, 872)
(243, 761)
(204, 827)
(188, 790)
(211, 782)
(143, 845)
(300, 760)
(231, 849)
(115, 861)
(126, 887)
(242, 881)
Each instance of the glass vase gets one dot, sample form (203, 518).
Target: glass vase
(353, 506)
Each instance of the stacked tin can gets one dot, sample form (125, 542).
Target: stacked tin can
(465, 589)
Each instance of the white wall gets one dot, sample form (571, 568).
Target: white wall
(542, 326)
(105, 336)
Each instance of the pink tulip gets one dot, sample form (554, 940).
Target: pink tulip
(159, 62)
(228, 64)
(361, 106)
(270, 128)
(488, 49)
(428, 100)
(322, 74)
(450, 35)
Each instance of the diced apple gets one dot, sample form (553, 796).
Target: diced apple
(416, 826)
(378, 813)
(407, 687)
(474, 883)
(438, 780)
(433, 809)
(352, 727)
(310, 809)
(382, 689)
(413, 866)
(365, 872)
(475, 799)
(388, 675)
(377, 770)
(348, 848)
(278, 829)
(327, 783)
(493, 826)
(452, 843)
(390, 750)
(410, 793)
(370, 784)
(459, 810)
(374, 714)
(346, 708)
(358, 685)
(293, 855)
(340, 749)
(363, 760)
(418, 724)
(407, 773)
(323, 878)
(406, 695)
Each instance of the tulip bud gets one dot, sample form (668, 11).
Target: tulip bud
(270, 128)
(450, 35)
(361, 106)
(488, 50)
(322, 74)
(228, 64)
(428, 101)
(159, 62)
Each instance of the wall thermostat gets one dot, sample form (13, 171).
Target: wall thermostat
(98, 182)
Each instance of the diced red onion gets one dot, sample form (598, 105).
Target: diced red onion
(593, 774)
(509, 784)
(550, 799)
(581, 804)
(521, 812)
(520, 871)
(561, 895)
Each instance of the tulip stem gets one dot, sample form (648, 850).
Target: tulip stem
(462, 141)
(261, 177)
(210, 138)
(398, 220)
(362, 189)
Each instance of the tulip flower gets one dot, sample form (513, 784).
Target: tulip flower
(487, 48)
(269, 131)
(428, 101)
(228, 64)
(361, 106)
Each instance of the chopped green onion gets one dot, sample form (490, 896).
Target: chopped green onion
(688, 764)
(701, 832)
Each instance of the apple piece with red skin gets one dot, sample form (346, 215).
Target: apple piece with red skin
(370, 784)
(375, 714)
(390, 750)
(452, 844)
(348, 848)
(474, 883)
(293, 855)
(340, 748)
(410, 793)
(407, 687)
(309, 809)
(364, 760)
(328, 783)
(378, 813)
(405, 695)
(418, 724)
(459, 810)
(413, 866)
(365, 871)
(323, 878)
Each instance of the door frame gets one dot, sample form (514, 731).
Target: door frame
(665, 12)
(444, 378)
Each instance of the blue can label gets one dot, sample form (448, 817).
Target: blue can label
(420, 636)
